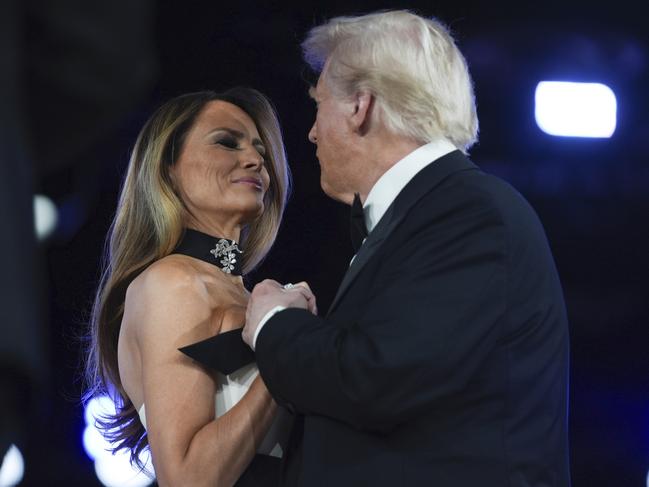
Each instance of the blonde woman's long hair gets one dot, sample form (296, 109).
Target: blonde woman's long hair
(149, 224)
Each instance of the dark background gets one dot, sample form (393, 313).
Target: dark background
(591, 194)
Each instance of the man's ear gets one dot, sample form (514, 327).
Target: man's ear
(363, 108)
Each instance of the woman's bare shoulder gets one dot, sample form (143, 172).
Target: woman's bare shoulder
(169, 295)
(170, 274)
(172, 291)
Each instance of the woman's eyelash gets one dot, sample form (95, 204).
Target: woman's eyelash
(232, 143)
(229, 142)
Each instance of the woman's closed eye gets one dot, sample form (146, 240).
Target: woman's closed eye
(234, 142)
(262, 151)
(228, 142)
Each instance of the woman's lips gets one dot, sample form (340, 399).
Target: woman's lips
(255, 183)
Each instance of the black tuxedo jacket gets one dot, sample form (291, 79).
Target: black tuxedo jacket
(443, 359)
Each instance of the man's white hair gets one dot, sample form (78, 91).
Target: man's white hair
(409, 63)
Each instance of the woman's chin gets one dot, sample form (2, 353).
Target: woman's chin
(249, 215)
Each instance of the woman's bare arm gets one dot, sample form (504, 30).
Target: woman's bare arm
(170, 308)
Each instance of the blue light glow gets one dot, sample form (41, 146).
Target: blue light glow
(575, 109)
(98, 407)
(112, 470)
(12, 468)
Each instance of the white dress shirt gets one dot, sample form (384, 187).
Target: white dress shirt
(385, 191)
(388, 187)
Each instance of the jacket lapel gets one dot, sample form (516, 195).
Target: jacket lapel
(423, 182)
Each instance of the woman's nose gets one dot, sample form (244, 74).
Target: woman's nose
(253, 159)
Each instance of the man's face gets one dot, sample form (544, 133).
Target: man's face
(332, 135)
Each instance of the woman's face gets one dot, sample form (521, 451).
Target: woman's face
(221, 173)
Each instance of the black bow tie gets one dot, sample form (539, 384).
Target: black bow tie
(357, 227)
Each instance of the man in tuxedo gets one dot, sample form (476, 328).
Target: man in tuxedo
(443, 359)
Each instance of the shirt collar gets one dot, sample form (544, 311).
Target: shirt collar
(390, 184)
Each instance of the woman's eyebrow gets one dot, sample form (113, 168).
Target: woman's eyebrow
(231, 131)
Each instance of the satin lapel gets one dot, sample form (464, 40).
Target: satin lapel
(423, 182)
(367, 250)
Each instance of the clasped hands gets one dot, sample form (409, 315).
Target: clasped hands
(267, 295)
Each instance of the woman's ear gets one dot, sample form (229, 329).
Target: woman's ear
(173, 178)
(172, 175)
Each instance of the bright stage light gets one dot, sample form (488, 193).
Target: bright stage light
(94, 443)
(116, 471)
(12, 468)
(98, 407)
(112, 470)
(575, 109)
(45, 216)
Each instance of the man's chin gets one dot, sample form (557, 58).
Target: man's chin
(326, 188)
(335, 195)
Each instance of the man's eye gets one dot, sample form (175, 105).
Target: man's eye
(228, 142)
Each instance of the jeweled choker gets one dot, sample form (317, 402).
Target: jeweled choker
(221, 252)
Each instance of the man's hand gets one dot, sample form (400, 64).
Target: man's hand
(268, 294)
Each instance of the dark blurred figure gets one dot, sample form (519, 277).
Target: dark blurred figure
(69, 71)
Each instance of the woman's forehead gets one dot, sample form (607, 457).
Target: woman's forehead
(219, 113)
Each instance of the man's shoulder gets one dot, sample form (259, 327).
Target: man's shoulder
(479, 185)
(455, 173)
(471, 191)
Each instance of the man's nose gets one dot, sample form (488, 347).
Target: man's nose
(313, 138)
